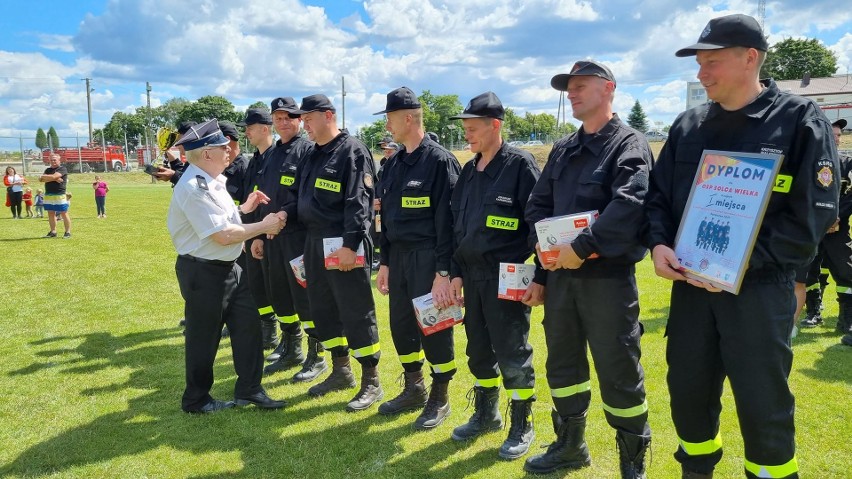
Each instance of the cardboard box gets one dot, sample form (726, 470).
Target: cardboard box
(298, 267)
(431, 319)
(330, 245)
(562, 230)
(514, 280)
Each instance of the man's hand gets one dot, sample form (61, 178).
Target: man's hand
(534, 295)
(666, 264)
(272, 224)
(255, 198)
(164, 174)
(257, 248)
(456, 291)
(283, 216)
(442, 295)
(377, 204)
(703, 285)
(347, 258)
(834, 228)
(567, 259)
(382, 280)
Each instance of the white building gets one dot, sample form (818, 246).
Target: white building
(833, 94)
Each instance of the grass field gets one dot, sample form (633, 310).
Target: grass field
(92, 369)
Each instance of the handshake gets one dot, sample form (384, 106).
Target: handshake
(273, 223)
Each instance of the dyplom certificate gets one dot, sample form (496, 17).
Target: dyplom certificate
(723, 215)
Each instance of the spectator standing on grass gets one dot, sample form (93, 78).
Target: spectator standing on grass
(55, 179)
(101, 190)
(39, 203)
(208, 234)
(14, 190)
(745, 337)
(28, 201)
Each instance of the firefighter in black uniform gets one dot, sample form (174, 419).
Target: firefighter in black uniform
(488, 205)
(336, 201)
(289, 298)
(205, 227)
(258, 124)
(416, 246)
(744, 337)
(834, 255)
(593, 297)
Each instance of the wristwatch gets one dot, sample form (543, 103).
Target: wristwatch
(444, 274)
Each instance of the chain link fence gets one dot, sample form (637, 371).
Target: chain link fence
(21, 153)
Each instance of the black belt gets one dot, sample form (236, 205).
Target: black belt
(215, 262)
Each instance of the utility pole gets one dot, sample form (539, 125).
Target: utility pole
(761, 13)
(89, 91)
(148, 124)
(343, 96)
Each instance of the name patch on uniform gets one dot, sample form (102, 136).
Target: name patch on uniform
(327, 185)
(414, 184)
(287, 180)
(783, 183)
(825, 205)
(501, 223)
(825, 173)
(418, 202)
(331, 171)
(504, 200)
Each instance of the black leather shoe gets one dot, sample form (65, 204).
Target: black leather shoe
(213, 406)
(260, 400)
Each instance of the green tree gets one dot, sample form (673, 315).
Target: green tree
(515, 127)
(208, 107)
(637, 119)
(791, 59)
(170, 111)
(259, 104)
(52, 137)
(373, 133)
(121, 123)
(437, 110)
(41, 139)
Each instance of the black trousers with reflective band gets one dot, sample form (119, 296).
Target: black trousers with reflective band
(214, 295)
(745, 338)
(410, 275)
(342, 306)
(257, 286)
(602, 313)
(834, 254)
(287, 296)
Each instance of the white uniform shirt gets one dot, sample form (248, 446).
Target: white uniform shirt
(196, 213)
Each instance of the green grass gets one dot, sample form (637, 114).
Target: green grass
(92, 369)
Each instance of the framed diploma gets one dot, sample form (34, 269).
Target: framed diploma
(723, 215)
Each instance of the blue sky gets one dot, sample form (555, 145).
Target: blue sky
(260, 49)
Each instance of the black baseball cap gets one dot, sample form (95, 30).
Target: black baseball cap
(284, 103)
(841, 123)
(389, 146)
(736, 30)
(229, 130)
(400, 99)
(255, 116)
(486, 105)
(582, 68)
(205, 134)
(316, 102)
(185, 126)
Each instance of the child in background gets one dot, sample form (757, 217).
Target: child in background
(68, 199)
(28, 201)
(101, 189)
(39, 203)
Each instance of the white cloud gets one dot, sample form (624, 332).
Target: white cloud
(60, 43)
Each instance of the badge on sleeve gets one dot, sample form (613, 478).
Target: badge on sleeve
(825, 173)
(202, 183)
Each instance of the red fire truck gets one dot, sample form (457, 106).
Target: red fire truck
(89, 158)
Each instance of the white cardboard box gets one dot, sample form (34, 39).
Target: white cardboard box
(431, 319)
(514, 280)
(330, 245)
(298, 267)
(562, 230)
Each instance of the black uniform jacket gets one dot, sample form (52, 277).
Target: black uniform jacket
(415, 190)
(845, 191)
(235, 173)
(804, 202)
(609, 174)
(336, 190)
(280, 180)
(488, 214)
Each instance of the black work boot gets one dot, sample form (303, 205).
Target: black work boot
(486, 414)
(279, 350)
(341, 378)
(813, 309)
(844, 316)
(315, 363)
(269, 330)
(694, 475)
(568, 451)
(521, 432)
(412, 397)
(370, 392)
(293, 355)
(631, 454)
(437, 407)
